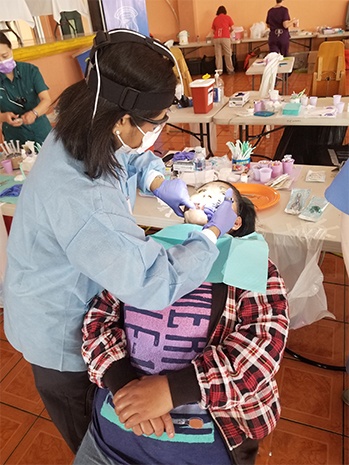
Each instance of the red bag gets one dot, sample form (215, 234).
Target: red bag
(247, 59)
(254, 53)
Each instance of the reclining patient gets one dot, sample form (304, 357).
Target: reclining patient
(208, 197)
(194, 382)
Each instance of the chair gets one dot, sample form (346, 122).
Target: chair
(182, 65)
(329, 77)
(5, 26)
(309, 144)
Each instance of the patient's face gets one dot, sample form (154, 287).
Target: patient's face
(210, 196)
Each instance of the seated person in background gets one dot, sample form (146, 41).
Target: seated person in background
(24, 98)
(202, 370)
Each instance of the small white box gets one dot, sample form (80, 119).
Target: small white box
(183, 166)
(239, 99)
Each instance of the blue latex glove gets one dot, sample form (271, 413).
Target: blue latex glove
(174, 193)
(183, 156)
(209, 211)
(13, 191)
(224, 217)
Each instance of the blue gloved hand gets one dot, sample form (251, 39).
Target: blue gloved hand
(224, 217)
(209, 211)
(174, 193)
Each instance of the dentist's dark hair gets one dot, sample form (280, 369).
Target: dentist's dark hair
(90, 138)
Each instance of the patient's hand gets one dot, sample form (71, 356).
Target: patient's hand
(195, 217)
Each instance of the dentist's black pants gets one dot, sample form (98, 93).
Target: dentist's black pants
(68, 398)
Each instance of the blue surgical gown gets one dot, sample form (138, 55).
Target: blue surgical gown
(70, 238)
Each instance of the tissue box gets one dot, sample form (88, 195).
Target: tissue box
(291, 109)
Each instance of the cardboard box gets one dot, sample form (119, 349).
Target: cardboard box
(312, 57)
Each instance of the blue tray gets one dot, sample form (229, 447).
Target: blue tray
(264, 113)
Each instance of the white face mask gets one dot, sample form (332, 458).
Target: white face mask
(149, 139)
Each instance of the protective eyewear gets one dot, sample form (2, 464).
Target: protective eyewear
(156, 122)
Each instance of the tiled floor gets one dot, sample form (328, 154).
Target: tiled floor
(314, 428)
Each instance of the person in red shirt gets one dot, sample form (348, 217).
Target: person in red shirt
(222, 26)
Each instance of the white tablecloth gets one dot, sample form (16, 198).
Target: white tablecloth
(54, 7)
(12, 10)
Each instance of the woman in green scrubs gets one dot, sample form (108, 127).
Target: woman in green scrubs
(24, 98)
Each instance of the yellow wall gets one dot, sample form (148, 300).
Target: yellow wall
(56, 61)
(197, 15)
(59, 71)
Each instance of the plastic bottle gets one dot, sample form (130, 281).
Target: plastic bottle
(199, 159)
(199, 166)
(218, 87)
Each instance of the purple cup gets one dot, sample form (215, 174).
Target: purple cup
(277, 169)
(258, 106)
(264, 164)
(7, 165)
(265, 174)
(336, 99)
(340, 107)
(256, 175)
(287, 166)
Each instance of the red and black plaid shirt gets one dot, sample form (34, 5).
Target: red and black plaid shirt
(235, 371)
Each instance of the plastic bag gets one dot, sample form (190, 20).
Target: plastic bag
(315, 176)
(297, 201)
(314, 210)
(296, 257)
(257, 30)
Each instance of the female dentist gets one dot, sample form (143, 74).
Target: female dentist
(73, 232)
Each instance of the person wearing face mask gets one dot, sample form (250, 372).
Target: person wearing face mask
(73, 232)
(24, 98)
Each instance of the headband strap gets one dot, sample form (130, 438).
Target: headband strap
(118, 36)
(128, 98)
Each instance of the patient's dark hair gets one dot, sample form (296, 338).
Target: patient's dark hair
(248, 215)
